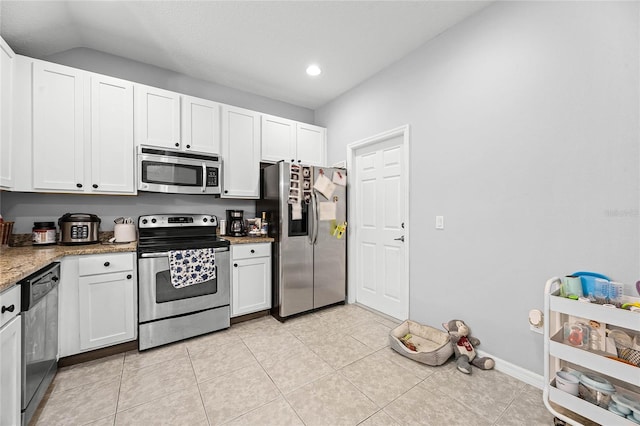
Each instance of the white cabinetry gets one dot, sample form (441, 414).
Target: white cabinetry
(98, 302)
(111, 142)
(250, 278)
(158, 117)
(240, 153)
(201, 125)
(289, 140)
(10, 357)
(82, 131)
(170, 120)
(559, 354)
(58, 127)
(6, 110)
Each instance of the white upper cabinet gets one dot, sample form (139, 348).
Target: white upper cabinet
(240, 153)
(201, 125)
(112, 154)
(82, 131)
(58, 128)
(158, 117)
(170, 120)
(311, 143)
(6, 97)
(278, 139)
(292, 141)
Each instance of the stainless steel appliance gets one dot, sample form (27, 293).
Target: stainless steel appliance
(167, 314)
(39, 336)
(235, 223)
(79, 228)
(309, 269)
(177, 172)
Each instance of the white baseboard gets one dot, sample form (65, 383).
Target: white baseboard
(515, 371)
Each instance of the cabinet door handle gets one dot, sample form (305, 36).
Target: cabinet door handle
(11, 308)
(107, 263)
(188, 146)
(79, 185)
(177, 144)
(129, 276)
(226, 191)
(253, 251)
(235, 265)
(95, 185)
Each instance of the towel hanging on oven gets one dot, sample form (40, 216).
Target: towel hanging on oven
(189, 267)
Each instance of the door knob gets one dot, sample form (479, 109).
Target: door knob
(399, 239)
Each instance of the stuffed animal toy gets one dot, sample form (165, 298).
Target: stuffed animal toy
(463, 349)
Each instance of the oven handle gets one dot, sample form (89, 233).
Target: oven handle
(204, 177)
(166, 253)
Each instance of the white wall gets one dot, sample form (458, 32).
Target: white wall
(525, 135)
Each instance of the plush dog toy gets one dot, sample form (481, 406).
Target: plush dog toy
(463, 345)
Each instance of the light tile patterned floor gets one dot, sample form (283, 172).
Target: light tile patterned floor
(332, 367)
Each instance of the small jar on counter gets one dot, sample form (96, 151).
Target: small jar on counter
(43, 233)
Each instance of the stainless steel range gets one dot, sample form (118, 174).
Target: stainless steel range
(167, 314)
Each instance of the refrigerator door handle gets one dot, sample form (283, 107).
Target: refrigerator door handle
(314, 214)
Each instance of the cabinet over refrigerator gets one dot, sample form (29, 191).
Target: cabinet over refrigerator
(307, 214)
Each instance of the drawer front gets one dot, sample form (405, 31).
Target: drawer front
(105, 263)
(247, 251)
(10, 304)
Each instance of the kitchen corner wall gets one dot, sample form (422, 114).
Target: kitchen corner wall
(525, 135)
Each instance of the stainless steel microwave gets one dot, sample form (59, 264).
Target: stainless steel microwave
(177, 172)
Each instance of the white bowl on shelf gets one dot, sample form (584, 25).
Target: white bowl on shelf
(567, 382)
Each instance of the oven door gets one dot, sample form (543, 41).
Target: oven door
(159, 299)
(178, 175)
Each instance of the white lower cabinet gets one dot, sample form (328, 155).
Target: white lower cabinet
(250, 278)
(10, 357)
(98, 302)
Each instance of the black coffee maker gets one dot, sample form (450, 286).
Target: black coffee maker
(235, 223)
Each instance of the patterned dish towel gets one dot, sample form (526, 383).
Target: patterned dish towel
(188, 267)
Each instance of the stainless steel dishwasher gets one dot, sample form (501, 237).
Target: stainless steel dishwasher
(39, 336)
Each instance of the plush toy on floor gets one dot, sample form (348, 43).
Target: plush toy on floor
(463, 345)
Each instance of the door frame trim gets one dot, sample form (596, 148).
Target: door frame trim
(352, 148)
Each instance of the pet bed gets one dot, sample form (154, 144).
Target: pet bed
(432, 346)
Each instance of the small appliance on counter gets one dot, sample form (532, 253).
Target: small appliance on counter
(124, 230)
(235, 223)
(79, 228)
(43, 233)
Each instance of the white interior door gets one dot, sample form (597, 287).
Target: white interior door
(379, 217)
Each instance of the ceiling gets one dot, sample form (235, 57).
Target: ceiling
(262, 47)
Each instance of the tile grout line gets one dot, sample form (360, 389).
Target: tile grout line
(204, 407)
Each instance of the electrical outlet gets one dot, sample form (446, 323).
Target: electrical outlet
(439, 222)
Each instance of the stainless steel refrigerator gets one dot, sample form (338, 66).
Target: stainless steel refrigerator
(307, 217)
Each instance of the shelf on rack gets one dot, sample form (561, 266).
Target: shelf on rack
(593, 311)
(586, 409)
(596, 361)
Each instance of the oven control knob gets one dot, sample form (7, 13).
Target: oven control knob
(144, 221)
(153, 220)
(205, 220)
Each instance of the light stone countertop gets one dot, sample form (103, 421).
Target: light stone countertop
(17, 263)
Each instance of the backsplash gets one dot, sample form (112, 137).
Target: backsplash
(24, 208)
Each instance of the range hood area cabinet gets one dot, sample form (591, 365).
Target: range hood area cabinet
(171, 120)
(292, 141)
(81, 128)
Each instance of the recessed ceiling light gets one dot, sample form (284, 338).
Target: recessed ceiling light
(313, 70)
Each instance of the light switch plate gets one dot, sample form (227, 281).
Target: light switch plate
(439, 222)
